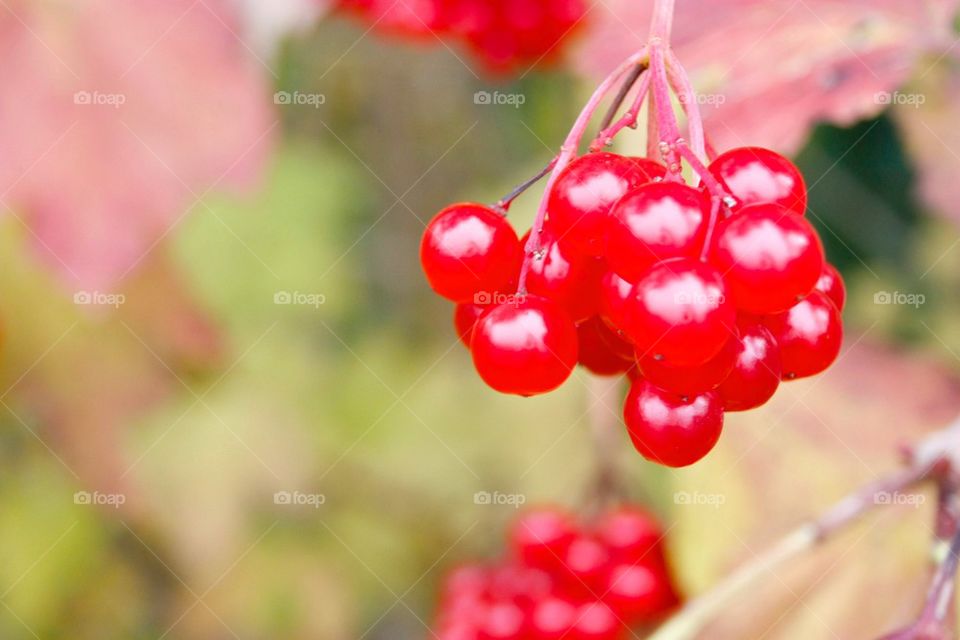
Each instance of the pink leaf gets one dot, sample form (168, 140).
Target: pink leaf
(115, 117)
(768, 70)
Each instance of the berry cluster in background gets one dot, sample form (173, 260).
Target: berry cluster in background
(561, 579)
(706, 309)
(503, 34)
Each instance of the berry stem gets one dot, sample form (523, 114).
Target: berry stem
(934, 458)
(618, 100)
(662, 21)
(629, 119)
(662, 110)
(688, 102)
(504, 203)
(567, 153)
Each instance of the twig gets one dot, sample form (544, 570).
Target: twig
(504, 203)
(621, 96)
(933, 457)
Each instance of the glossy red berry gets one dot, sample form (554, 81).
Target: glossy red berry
(596, 621)
(585, 563)
(583, 195)
(809, 335)
(654, 222)
(629, 533)
(670, 429)
(468, 249)
(597, 354)
(679, 313)
(769, 256)
(692, 379)
(570, 280)
(831, 283)
(465, 317)
(552, 618)
(639, 592)
(525, 347)
(753, 175)
(503, 621)
(653, 169)
(541, 537)
(756, 373)
(615, 296)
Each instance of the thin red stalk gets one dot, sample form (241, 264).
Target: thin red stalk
(669, 130)
(567, 152)
(504, 203)
(688, 102)
(629, 119)
(622, 94)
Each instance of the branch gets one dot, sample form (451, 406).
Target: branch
(934, 457)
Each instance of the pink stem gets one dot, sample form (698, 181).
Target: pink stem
(629, 119)
(662, 22)
(669, 130)
(567, 152)
(715, 188)
(688, 101)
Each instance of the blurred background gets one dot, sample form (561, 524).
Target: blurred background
(230, 407)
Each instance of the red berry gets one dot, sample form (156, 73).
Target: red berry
(520, 584)
(568, 279)
(583, 195)
(770, 257)
(615, 295)
(629, 533)
(503, 621)
(585, 564)
(541, 537)
(596, 621)
(465, 317)
(525, 347)
(679, 313)
(596, 354)
(653, 169)
(654, 222)
(469, 249)
(809, 335)
(831, 283)
(670, 429)
(756, 374)
(638, 592)
(469, 580)
(753, 175)
(552, 618)
(692, 379)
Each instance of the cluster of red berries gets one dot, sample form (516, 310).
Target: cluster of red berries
(503, 34)
(561, 580)
(635, 274)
